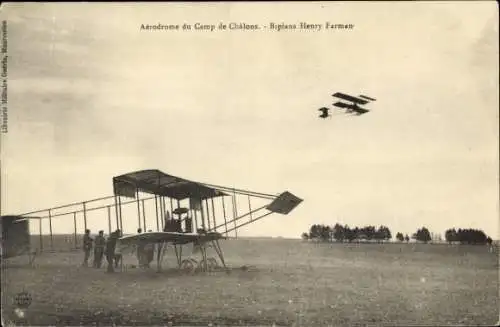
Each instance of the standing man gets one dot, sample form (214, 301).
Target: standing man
(100, 243)
(87, 247)
(140, 250)
(118, 250)
(149, 253)
(110, 251)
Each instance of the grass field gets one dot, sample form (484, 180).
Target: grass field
(291, 283)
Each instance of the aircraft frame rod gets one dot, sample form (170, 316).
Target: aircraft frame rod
(117, 206)
(162, 212)
(109, 219)
(240, 191)
(224, 213)
(255, 219)
(218, 249)
(116, 212)
(156, 211)
(235, 213)
(244, 215)
(249, 207)
(208, 214)
(178, 254)
(203, 225)
(51, 235)
(156, 206)
(179, 216)
(203, 250)
(221, 188)
(68, 205)
(41, 238)
(138, 207)
(213, 213)
(120, 210)
(74, 227)
(195, 220)
(84, 215)
(143, 215)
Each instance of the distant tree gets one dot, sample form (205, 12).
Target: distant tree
(451, 235)
(466, 236)
(472, 236)
(314, 232)
(370, 232)
(305, 236)
(338, 232)
(356, 232)
(489, 240)
(349, 234)
(400, 237)
(383, 233)
(324, 233)
(407, 238)
(388, 234)
(422, 235)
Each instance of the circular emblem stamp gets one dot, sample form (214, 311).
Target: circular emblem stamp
(23, 300)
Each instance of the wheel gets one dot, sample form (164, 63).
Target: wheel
(187, 265)
(211, 264)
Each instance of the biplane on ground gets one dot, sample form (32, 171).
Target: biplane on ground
(204, 223)
(354, 103)
(200, 214)
(16, 239)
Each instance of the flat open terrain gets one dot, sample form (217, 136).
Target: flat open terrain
(290, 283)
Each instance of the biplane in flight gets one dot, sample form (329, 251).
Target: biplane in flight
(355, 102)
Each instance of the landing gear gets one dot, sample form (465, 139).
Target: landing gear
(189, 265)
(210, 263)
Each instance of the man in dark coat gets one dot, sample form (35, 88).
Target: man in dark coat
(100, 243)
(110, 250)
(87, 247)
(140, 250)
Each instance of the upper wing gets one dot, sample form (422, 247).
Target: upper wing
(367, 98)
(349, 98)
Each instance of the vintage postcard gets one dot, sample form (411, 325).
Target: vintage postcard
(249, 164)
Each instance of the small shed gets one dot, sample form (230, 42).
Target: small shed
(16, 238)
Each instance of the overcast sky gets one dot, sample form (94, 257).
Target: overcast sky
(91, 96)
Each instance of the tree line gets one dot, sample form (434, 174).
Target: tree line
(345, 233)
(341, 233)
(467, 236)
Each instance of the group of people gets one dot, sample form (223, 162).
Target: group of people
(110, 248)
(102, 247)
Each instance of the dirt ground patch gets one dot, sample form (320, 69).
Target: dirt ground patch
(293, 283)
